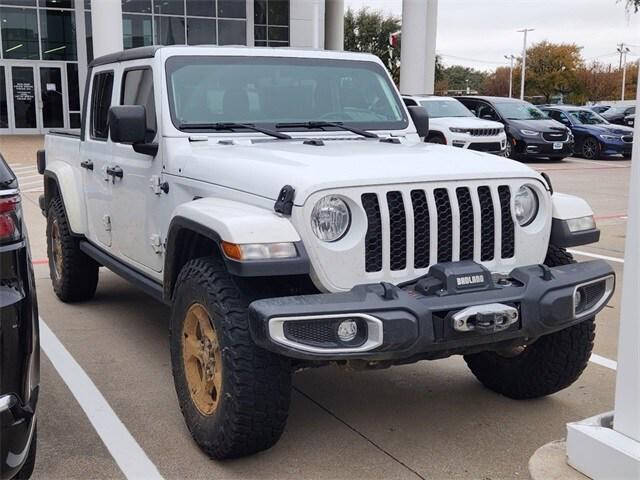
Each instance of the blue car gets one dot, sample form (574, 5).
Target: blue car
(594, 136)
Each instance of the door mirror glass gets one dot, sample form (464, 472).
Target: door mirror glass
(420, 120)
(128, 124)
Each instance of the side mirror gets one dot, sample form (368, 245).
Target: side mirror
(128, 124)
(420, 120)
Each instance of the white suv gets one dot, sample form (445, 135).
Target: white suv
(451, 123)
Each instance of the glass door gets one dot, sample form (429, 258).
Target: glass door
(23, 94)
(35, 97)
(52, 97)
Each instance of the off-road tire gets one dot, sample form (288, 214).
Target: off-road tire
(78, 276)
(27, 467)
(548, 365)
(255, 395)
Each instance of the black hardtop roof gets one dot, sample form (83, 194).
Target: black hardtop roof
(125, 55)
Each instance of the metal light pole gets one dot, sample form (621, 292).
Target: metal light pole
(511, 58)
(524, 59)
(623, 54)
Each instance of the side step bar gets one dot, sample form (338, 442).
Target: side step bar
(144, 283)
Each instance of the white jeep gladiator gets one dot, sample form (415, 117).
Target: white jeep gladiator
(281, 203)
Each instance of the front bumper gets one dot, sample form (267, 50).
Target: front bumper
(449, 311)
(536, 148)
(616, 147)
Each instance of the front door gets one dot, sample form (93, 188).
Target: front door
(36, 96)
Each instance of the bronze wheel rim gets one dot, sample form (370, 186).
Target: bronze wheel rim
(202, 359)
(56, 249)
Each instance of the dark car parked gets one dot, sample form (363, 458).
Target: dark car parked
(19, 338)
(594, 136)
(530, 133)
(630, 120)
(617, 113)
(599, 108)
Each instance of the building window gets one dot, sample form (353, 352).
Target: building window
(136, 31)
(58, 35)
(89, 35)
(4, 116)
(19, 31)
(271, 23)
(176, 22)
(169, 30)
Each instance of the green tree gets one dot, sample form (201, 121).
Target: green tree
(551, 68)
(456, 77)
(368, 30)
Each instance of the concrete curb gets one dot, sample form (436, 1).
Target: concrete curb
(549, 462)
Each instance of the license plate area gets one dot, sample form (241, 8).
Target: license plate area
(557, 145)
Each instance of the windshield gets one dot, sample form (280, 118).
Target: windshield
(445, 108)
(519, 111)
(587, 117)
(267, 91)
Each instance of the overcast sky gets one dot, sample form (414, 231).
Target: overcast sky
(483, 31)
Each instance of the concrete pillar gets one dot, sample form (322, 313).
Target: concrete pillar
(106, 21)
(81, 45)
(607, 446)
(418, 56)
(334, 25)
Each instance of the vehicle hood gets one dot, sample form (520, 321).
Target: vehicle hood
(607, 129)
(543, 125)
(264, 167)
(465, 122)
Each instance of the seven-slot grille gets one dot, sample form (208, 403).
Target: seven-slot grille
(484, 132)
(432, 220)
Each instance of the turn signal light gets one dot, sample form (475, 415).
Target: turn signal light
(259, 251)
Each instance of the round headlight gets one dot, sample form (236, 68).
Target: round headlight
(525, 205)
(330, 218)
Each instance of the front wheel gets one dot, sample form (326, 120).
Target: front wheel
(234, 396)
(591, 149)
(544, 367)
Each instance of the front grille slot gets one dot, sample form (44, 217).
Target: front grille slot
(487, 225)
(397, 230)
(373, 237)
(508, 230)
(477, 212)
(484, 132)
(421, 229)
(445, 225)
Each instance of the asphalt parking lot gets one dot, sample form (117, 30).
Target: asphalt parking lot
(427, 420)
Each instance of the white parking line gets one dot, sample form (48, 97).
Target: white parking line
(124, 449)
(18, 168)
(595, 255)
(604, 362)
(20, 177)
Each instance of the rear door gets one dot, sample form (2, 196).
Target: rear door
(95, 156)
(138, 203)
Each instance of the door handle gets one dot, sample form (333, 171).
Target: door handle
(115, 172)
(88, 164)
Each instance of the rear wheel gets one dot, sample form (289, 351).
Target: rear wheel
(74, 275)
(591, 149)
(548, 365)
(234, 396)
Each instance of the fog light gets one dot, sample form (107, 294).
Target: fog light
(577, 298)
(347, 330)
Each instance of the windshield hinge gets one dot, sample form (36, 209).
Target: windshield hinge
(284, 203)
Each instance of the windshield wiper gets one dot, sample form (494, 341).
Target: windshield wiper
(233, 126)
(322, 125)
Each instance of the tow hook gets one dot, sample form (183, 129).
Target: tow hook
(485, 319)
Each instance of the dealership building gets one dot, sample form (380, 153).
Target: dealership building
(47, 44)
